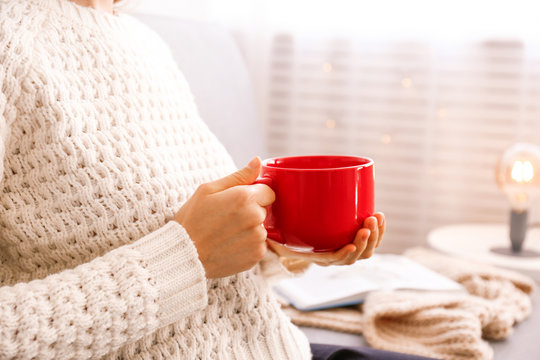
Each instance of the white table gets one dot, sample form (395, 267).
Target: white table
(477, 241)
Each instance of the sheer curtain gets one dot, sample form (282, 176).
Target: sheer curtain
(433, 91)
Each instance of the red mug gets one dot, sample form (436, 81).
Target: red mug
(321, 201)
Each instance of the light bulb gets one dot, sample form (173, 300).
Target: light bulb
(518, 175)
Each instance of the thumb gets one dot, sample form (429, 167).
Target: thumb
(244, 176)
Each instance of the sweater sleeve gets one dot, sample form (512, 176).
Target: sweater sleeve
(99, 306)
(96, 307)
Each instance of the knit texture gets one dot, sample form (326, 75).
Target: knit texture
(101, 143)
(438, 325)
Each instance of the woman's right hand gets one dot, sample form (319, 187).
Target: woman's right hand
(224, 219)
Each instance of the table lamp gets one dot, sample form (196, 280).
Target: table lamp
(518, 175)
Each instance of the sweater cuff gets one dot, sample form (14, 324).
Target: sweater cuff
(172, 260)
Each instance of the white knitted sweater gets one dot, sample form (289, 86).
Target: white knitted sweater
(101, 143)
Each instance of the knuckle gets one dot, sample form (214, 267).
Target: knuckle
(261, 215)
(269, 193)
(261, 233)
(253, 216)
(273, 194)
(242, 195)
(204, 188)
(260, 251)
(257, 233)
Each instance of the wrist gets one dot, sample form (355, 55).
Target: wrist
(179, 216)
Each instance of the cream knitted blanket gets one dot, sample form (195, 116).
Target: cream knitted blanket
(444, 326)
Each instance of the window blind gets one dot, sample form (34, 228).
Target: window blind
(435, 118)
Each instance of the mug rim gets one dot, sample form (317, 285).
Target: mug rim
(369, 162)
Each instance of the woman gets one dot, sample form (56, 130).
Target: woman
(123, 234)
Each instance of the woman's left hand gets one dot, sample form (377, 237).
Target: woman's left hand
(367, 239)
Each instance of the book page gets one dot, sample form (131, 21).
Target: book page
(322, 287)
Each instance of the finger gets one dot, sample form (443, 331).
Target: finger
(371, 224)
(361, 242)
(251, 216)
(351, 258)
(381, 221)
(261, 215)
(255, 235)
(263, 194)
(244, 176)
(345, 254)
(354, 250)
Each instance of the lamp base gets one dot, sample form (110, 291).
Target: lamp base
(475, 241)
(524, 253)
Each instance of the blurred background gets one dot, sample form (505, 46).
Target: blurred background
(434, 91)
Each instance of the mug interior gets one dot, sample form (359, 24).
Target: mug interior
(320, 162)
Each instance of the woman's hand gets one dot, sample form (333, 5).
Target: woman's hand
(365, 242)
(224, 218)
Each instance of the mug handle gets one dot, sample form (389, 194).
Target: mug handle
(270, 222)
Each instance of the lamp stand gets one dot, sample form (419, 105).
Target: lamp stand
(518, 228)
(518, 231)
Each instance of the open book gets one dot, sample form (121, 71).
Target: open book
(333, 286)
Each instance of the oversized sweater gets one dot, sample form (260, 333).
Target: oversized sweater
(100, 144)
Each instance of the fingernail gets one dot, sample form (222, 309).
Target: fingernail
(253, 163)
